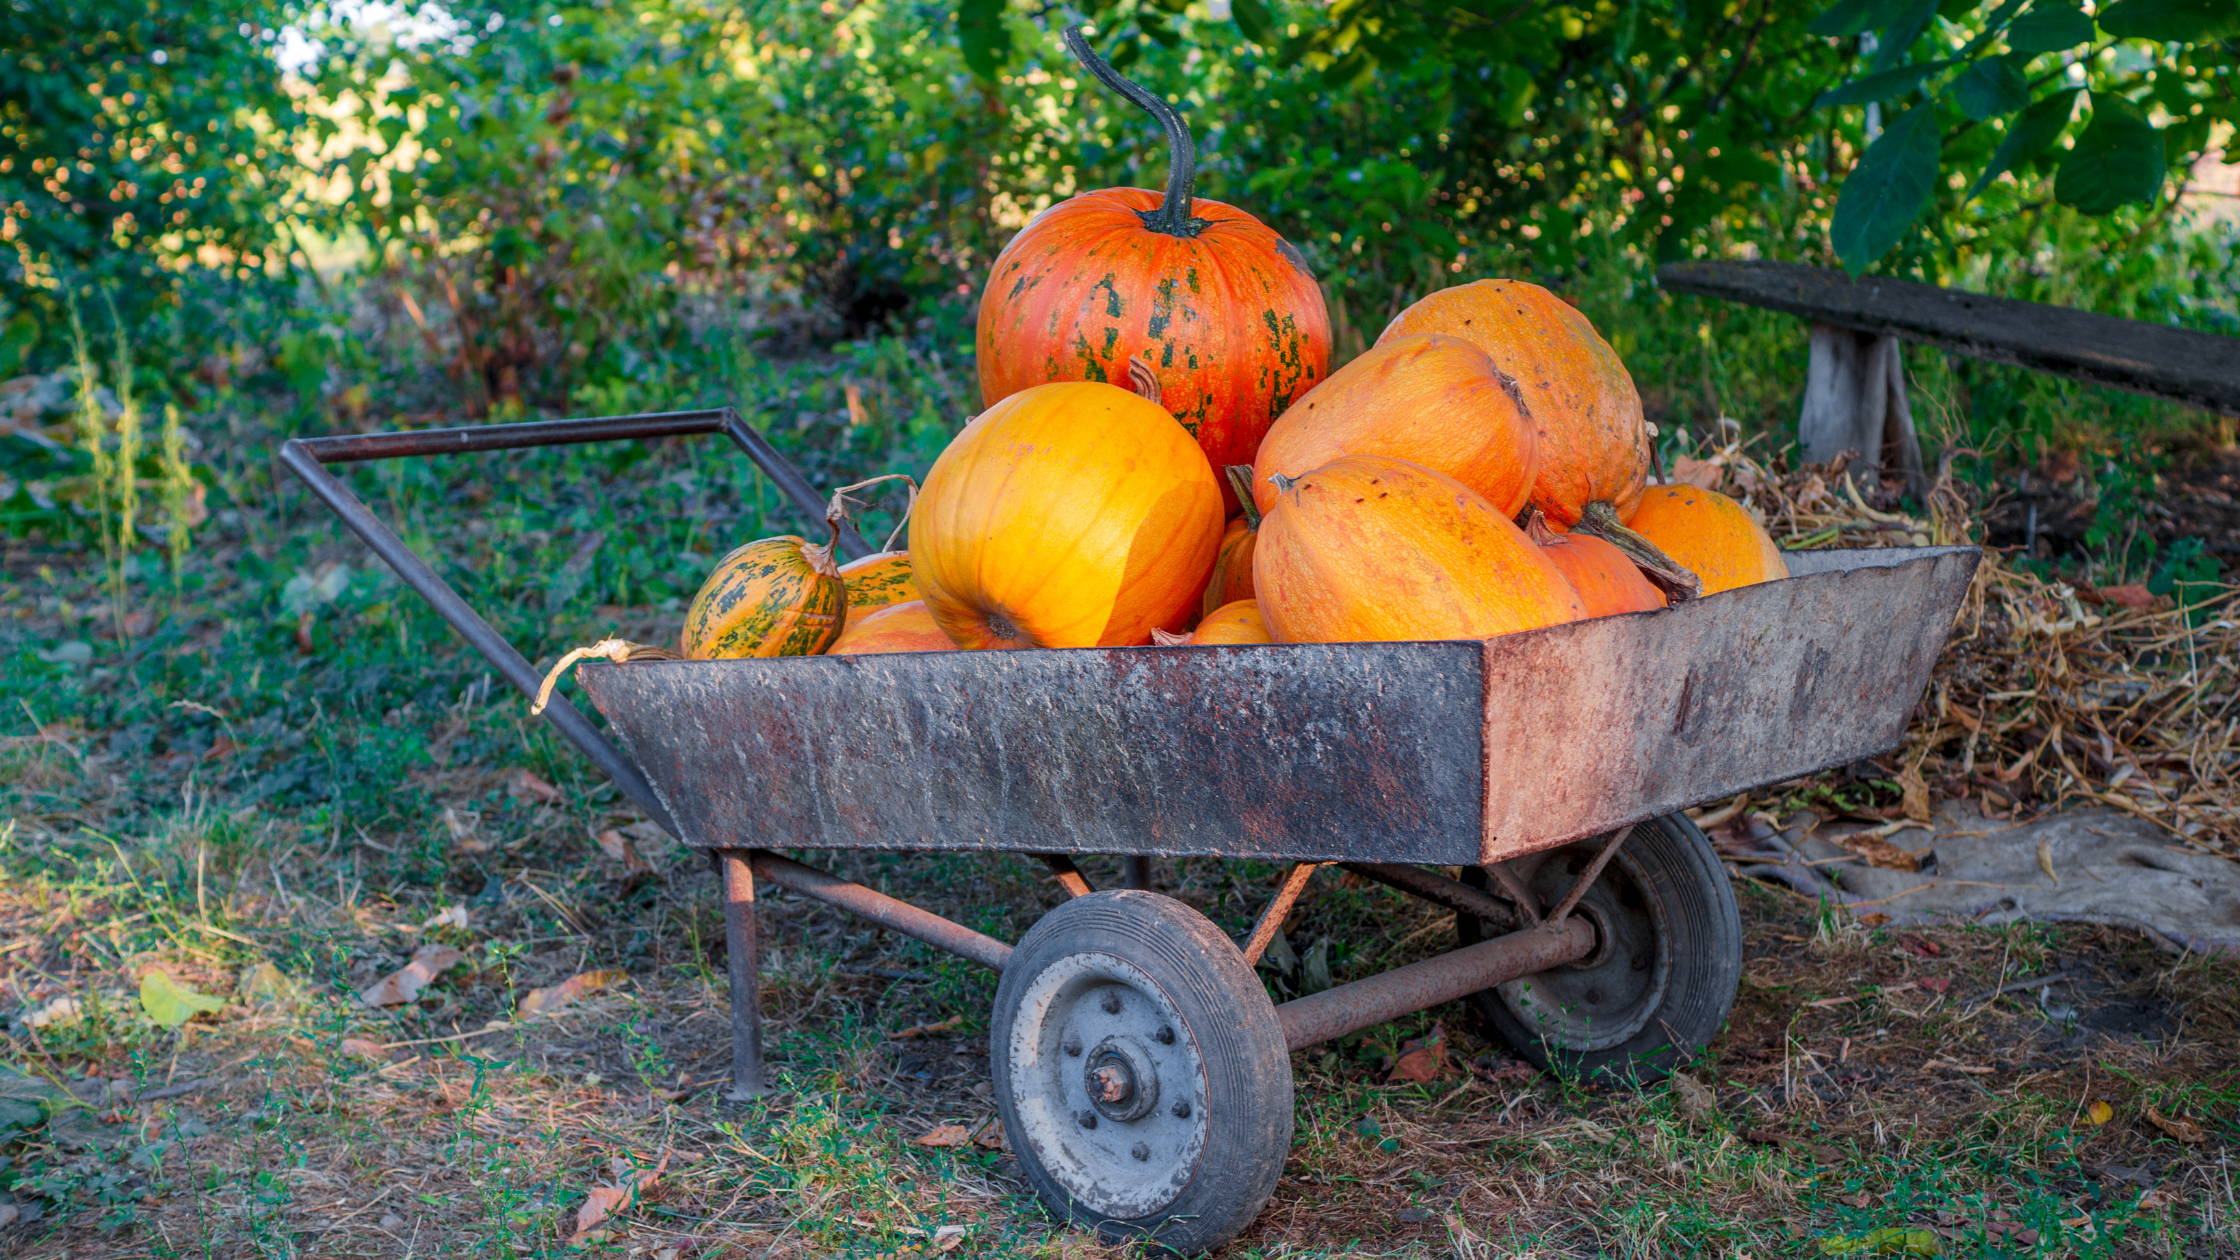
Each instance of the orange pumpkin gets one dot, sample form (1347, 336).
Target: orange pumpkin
(879, 580)
(1606, 579)
(1220, 308)
(1232, 560)
(1067, 515)
(1238, 622)
(1369, 548)
(1432, 400)
(1710, 534)
(904, 627)
(1594, 443)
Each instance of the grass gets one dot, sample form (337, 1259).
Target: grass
(274, 754)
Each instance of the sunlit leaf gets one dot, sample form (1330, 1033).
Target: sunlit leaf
(2172, 21)
(986, 40)
(1991, 87)
(2118, 160)
(1882, 85)
(1253, 19)
(1887, 191)
(171, 1003)
(2050, 26)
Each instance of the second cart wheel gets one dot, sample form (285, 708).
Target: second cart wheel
(1141, 1074)
(1662, 978)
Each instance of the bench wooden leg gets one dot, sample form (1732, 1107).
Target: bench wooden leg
(1855, 400)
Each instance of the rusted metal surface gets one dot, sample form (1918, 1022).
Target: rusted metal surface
(887, 912)
(1436, 753)
(1579, 886)
(1520, 895)
(1277, 910)
(1439, 890)
(1068, 875)
(1334, 1012)
(743, 955)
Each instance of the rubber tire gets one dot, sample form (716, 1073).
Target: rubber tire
(1700, 937)
(1248, 1094)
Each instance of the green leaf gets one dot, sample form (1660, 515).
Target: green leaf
(2031, 133)
(1252, 18)
(1888, 190)
(1992, 25)
(2050, 26)
(1991, 87)
(171, 1003)
(986, 40)
(2172, 21)
(1881, 86)
(1898, 36)
(1850, 17)
(2116, 161)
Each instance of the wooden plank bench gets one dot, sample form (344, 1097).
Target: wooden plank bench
(1855, 396)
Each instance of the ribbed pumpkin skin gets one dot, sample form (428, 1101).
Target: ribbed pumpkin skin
(1232, 566)
(1594, 443)
(904, 627)
(1238, 622)
(773, 597)
(1366, 548)
(879, 580)
(1229, 320)
(1710, 534)
(1429, 399)
(1069, 515)
(1607, 582)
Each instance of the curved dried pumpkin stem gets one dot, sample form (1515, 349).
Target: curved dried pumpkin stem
(620, 651)
(1679, 585)
(842, 509)
(1535, 526)
(1173, 216)
(1168, 638)
(1283, 484)
(1240, 480)
(1143, 381)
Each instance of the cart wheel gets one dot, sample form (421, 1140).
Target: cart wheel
(1657, 988)
(1140, 1072)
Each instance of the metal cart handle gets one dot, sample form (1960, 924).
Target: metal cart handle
(308, 458)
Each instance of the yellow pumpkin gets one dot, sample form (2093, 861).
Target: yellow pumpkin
(1239, 622)
(903, 627)
(1074, 514)
(1710, 535)
(1232, 560)
(773, 597)
(1366, 548)
(879, 580)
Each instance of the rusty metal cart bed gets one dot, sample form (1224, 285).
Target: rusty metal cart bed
(1140, 1067)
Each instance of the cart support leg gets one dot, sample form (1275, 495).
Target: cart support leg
(746, 999)
(1135, 872)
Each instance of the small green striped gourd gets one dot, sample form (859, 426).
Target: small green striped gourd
(880, 580)
(773, 597)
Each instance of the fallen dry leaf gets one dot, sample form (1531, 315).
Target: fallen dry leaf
(62, 1010)
(618, 847)
(1937, 984)
(404, 984)
(2178, 1127)
(1703, 474)
(2133, 596)
(603, 1201)
(465, 834)
(944, 1135)
(1421, 1060)
(951, 1024)
(363, 1048)
(2099, 1112)
(528, 785)
(2156, 1200)
(991, 1136)
(582, 985)
(1692, 1097)
(449, 916)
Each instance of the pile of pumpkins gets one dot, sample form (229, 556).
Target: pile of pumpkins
(1165, 457)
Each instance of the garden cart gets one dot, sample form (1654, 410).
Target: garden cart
(1530, 783)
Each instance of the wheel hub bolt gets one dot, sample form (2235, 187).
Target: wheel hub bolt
(1086, 1119)
(1165, 1035)
(1181, 1109)
(1140, 1151)
(1072, 1046)
(1110, 1084)
(1110, 1002)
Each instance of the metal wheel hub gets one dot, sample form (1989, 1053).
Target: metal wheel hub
(1108, 1085)
(1609, 996)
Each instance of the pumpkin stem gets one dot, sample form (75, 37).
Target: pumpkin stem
(1283, 484)
(1535, 525)
(1168, 638)
(620, 651)
(1173, 216)
(1142, 380)
(1240, 480)
(1600, 520)
(841, 509)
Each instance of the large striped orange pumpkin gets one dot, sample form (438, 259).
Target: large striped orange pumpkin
(1594, 442)
(903, 627)
(879, 580)
(772, 597)
(1220, 308)
(1709, 534)
(1067, 515)
(1606, 579)
(1369, 548)
(1430, 399)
